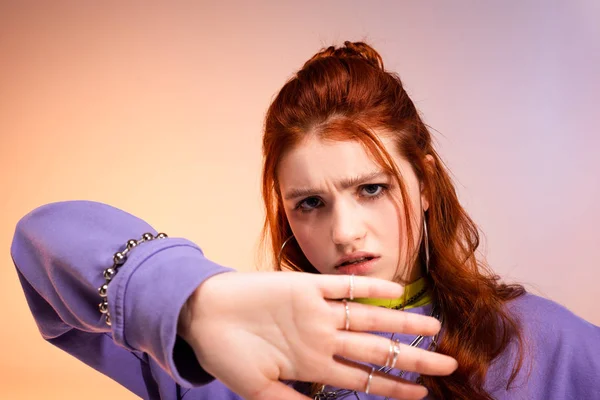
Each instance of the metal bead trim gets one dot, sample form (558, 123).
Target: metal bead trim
(119, 259)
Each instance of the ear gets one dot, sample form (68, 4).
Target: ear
(429, 162)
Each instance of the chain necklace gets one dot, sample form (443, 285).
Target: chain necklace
(344, 393)
(412, 300)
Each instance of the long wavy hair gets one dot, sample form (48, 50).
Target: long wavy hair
(344, 93)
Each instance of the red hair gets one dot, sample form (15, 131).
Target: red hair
(345, 94)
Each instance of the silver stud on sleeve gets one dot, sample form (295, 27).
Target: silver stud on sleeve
(119, 259)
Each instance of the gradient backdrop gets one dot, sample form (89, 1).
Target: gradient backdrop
(157, 108)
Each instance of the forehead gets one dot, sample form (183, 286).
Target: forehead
(314, 160)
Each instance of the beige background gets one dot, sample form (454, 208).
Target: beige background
(157, 109)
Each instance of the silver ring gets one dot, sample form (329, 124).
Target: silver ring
(368, 387)
(351, 294)
(396, 353)
(347, 307)
(390, 354)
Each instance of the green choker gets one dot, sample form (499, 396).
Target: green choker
(415, 295)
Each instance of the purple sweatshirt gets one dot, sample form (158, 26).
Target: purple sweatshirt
(61, 249)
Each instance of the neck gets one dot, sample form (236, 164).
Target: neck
(415, 294)
(411, 274)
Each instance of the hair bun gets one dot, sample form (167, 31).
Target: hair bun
(363, 50)
(351, 50)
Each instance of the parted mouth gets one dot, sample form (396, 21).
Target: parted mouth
(355, 258)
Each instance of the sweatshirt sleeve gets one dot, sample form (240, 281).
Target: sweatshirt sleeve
(561, 355)
(60, 251)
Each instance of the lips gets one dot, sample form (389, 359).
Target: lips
(363, 265)
(355, 258)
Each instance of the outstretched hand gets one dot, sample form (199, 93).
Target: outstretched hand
(252, 330)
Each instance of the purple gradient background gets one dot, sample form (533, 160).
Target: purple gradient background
(157, 108)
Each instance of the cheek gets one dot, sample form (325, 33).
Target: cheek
(388, 227)
(415, 211)
(388, 218)
(311, 237)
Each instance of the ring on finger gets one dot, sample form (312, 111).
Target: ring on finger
(347, 309)
(390, 354)
(396, 352)
(369, 379)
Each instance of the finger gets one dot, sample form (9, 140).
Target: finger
(364, 317)
(338, 287)
(347, 374)
(369, 348)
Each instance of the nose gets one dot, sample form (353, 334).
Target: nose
(347, 226)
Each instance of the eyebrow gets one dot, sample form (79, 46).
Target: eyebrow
(346, 183)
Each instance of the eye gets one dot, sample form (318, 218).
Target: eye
(309, 204)
(373, 190)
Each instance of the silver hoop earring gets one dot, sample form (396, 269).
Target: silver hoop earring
(426, 239)
(281, 250)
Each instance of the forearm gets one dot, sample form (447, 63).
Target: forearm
(61, 250)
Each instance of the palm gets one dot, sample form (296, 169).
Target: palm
(255, 329)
